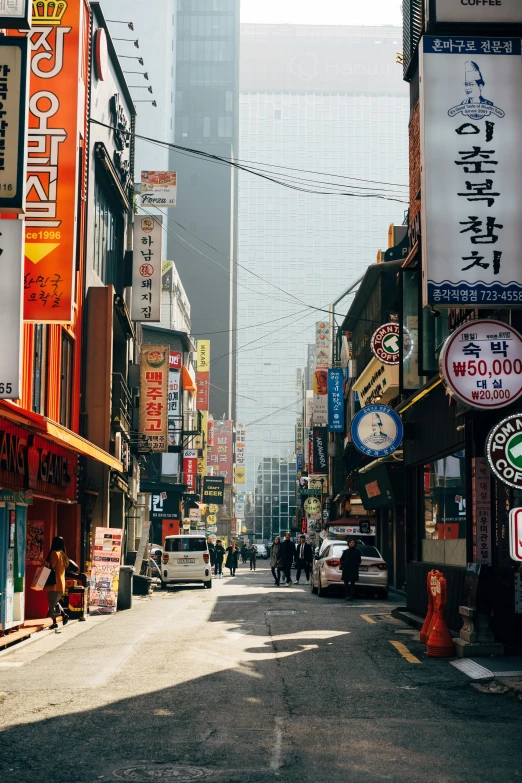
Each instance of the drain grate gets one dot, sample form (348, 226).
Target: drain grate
(167, 773)
(282, 611)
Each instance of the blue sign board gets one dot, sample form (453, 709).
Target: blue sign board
(335, 400)
(377, 430)
(299, 462)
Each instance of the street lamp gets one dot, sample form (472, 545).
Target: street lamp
(130, 25)
(140, 87)
(136, 42)
(131, 57)
(153, 102)
(140, 73)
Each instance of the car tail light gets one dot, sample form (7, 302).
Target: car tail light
(382, 566)
(333, 563)
(165, 558)
(206, 557)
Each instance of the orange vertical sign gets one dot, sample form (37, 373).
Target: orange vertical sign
(52, 161)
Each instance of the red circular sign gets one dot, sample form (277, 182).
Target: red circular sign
(385, 343)
(481, 364)
(146, 270)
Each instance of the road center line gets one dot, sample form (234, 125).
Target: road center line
(403, 650)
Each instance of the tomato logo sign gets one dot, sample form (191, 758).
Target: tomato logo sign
(385, 343)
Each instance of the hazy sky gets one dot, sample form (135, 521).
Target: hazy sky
(369, 12)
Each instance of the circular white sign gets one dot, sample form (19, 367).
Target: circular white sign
(481, 364)
(376, 430)
(385, 343)
(504, 450)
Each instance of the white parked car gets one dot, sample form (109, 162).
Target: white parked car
(326, 573)
(186, 559)
(262, 551)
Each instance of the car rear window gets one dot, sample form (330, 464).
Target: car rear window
(191, 544)
(368, 551)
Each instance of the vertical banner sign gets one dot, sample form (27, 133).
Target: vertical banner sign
(320, 410)
(146, 268)
(471, 163)
(320, 450)
(201, 444)
(240, 470)
(190, 469)
(11, 304)
(219, 452)
(105, 571)
(174, 410)
(14, 89)
(299, 436)
(322, 344)
(203, 375)
(52, 162)
(154, 372)
(481, 511)
(335, 400)
(213, 490)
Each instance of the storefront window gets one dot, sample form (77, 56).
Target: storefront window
(435, 329)
(444, 532)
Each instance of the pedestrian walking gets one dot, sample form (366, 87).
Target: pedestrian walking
(287, 557)
(232, 557)
(220, 556)
(57, 561)
(244, 553)
(350, 562)
(212, 553)
(253, 554)
(304, 560)
(274, 560)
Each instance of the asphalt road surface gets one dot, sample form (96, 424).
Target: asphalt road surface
(248, 682)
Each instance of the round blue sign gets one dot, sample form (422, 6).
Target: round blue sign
(377, 430)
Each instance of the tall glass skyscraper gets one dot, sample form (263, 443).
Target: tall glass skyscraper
(317, 99)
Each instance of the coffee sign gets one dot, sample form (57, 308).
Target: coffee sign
(504, 450)
(481, 364)
(385, 343)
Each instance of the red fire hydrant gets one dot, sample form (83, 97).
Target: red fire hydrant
(427, 622)
(440, 640)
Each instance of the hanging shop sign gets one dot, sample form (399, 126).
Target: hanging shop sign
(203, 355)
(213, 490)
(377, 430)
(312, 508)
(15, 14)
(56, 114)
(378, 382)
(239, 475)
(366, 527)
(202, 391)
(14, 91)
(515, 534)
(158, 189)
(146, 268)
(320, 409)
(504, 450)
(11, 307)
(481, 364)
(195, 515)
(165, 505)
(481, 511)
(335, 400)
(175, 360)
(220, 451)
(154, 373)
(299, 435)
(320, 449)
(471, 176)
(52, 470)
(105, 571)
(174, 413)
(477, 11)
(385, 343)
(190, 469)
(322, 345)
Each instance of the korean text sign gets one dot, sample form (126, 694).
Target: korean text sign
(52, 162)
(471, 114)
(154, 376)
(335, 400)
(190, 468)
(11, 293)
(13, 125)
(219, 451)
(146, 268)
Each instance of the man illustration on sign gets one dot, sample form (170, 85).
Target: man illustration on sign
(378, 436)
(473, 84)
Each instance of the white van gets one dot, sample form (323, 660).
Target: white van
(186, 559)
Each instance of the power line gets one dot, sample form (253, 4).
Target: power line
(273, 413)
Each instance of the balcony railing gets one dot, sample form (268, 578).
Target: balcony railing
(121, 416)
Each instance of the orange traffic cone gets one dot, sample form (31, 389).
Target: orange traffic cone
(425, 630)
(440, 641)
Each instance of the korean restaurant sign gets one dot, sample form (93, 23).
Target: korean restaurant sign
(322, 344)
(14, 89)
(203, 375)
(478, 11)
(385, 343)
(471, 159)
(481, 511)
(56, 87)
(154, 374)
(174, 412)
(190, 469)
(240, 446)
(220, 451)
(504, 450)
(146, 268)
(11, 308)
(15, 14)
(158, 189)
(481, 364)
(335, 400)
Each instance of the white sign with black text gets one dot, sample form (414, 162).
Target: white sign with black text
(11, 304)
(146, 268)
(478, 11)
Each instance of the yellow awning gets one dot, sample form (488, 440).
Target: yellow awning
(76, 443)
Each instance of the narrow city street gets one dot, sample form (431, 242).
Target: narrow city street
(248, 682)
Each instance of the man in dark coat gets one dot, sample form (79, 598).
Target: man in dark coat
(212, 552)
(287, 557)
(350, 562)
(219, 555)
(304, 559)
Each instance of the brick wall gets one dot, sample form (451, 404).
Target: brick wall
(414, 134)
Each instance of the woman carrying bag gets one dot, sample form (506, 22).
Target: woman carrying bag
(55, 586)
(232, 558)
